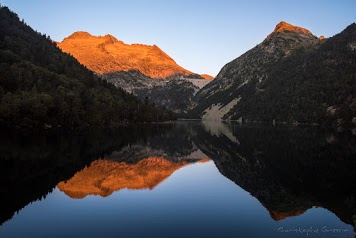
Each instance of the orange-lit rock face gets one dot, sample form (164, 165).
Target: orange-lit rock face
(207, 76)
(284, 26)
(103, 177)
(277, 216)
(104, 54)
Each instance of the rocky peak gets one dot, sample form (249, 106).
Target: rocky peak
(79, 35)
(111, 39)
(285, 38)
(286, 27)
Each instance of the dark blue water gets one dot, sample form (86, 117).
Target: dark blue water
(231, 185)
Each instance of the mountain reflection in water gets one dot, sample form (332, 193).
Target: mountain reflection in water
(290, 171)
(103, 177)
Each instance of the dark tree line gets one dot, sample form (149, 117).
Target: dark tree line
(40, 85)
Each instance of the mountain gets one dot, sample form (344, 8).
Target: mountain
(291, 77)
(40, 86)
(136, 68)
(175, 93)
(105, 54)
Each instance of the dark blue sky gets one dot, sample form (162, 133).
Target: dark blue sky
(201, 36)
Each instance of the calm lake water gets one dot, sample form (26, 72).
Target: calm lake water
(185, 179)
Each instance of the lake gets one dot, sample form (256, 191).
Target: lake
(182, 179)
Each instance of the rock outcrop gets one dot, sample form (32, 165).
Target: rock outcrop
(286, 27)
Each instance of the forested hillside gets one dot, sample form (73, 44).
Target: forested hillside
(42, 86)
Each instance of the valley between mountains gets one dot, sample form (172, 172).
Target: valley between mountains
(291, 77)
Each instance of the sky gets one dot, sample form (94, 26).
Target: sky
(200, 35)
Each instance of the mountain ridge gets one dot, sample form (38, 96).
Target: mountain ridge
(250, 66)
(107, 54)
(286, 79)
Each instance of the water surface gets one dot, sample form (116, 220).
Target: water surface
(179, 180)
